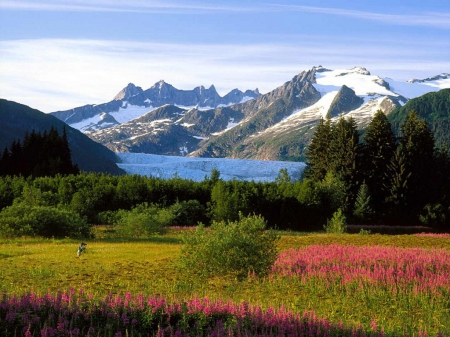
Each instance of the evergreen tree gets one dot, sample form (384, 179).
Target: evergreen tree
(397, 183)
(344, 155)
(441, 176)
(44, 154)
(363, 210)
(418, 143)
(318, 153)
(378, 149)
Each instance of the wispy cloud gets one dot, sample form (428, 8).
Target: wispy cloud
(56, 74)
(135, 6)
(432, 19)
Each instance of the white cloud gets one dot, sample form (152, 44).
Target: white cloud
(430, 19)
(59, 74)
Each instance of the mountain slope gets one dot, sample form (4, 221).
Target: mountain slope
(16, 119)
(351, 92)
(434, 107)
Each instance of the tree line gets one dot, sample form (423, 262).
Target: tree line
(386, 179)
(375, 178)
(40, 154)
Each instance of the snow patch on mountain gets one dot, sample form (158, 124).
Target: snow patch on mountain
(197, 169)
(357, 79)
(87, 123)
(130, 112)
(416, 89)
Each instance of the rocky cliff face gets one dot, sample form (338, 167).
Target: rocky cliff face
(345, 101)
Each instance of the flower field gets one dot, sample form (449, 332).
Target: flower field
(320, 285)
(72, 314)
(391, 268)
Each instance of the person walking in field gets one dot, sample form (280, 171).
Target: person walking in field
(81, 249)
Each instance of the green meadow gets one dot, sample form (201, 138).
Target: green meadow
(150, 267)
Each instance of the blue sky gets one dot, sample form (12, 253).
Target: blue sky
(57, 54)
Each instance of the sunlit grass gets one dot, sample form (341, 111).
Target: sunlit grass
(149, 267)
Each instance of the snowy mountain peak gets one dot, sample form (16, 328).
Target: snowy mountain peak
(320, 69)
(443, 76)
(358, 78)
(160, 84)
(127, 92)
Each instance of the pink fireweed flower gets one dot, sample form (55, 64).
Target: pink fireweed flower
(421, 269)
(434, 235)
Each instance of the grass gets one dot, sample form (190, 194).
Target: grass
(149, 267)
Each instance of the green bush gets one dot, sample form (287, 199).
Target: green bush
(144, 220)
(234, 248)
(188, 213)
(365, 232)
(24, 220)
(337, 224)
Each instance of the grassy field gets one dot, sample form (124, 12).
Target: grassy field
(149, 267)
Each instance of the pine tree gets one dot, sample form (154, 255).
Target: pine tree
(44, 154)
(397, 183)
(378, 149)
(344, 155)
(318, 153)
(67, 166)
(418, 143)
(363, 210)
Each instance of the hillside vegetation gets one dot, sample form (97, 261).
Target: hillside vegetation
(434, 108)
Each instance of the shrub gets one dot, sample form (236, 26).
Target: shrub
(188, 213)
(435, 216)
(337, 224)
(364, 232)
(24, 220)
(233, 248)
(144, 220)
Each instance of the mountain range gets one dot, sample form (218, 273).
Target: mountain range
(274, 126)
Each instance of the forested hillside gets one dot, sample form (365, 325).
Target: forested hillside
(18, 119)
(39, 155)
(396, 180)
(434, 108)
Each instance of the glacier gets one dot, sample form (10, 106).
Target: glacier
(196, 169)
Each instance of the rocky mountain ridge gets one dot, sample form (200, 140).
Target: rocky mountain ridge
(273, 126)
(132, 102)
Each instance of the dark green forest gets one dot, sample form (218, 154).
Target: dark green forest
(382, 179)
(39, 155)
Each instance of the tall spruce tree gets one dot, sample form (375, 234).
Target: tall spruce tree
(318, 153)
(344, 155)
(396, 186)
(378, 149)
(418, 143)
(363, 205)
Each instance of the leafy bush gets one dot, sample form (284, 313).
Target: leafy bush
(365, 232)
(21, 219)
(144, 220)
(233, 248)
(187, 213)
(337, 224)
(435, 216)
